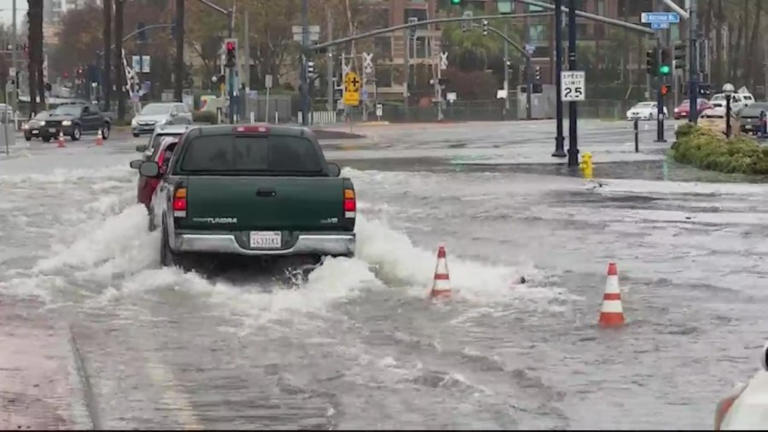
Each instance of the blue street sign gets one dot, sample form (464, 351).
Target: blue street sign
(659, 25)
(659, 17)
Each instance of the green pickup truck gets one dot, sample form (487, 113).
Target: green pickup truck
(252, 190)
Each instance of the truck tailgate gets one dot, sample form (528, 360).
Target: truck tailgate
(226, 203)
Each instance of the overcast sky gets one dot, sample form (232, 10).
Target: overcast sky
(6, 8)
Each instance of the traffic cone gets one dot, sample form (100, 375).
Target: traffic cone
(612, 313)
(61, 140)
(99, 138)
(441, 286)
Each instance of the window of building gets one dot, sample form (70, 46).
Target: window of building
(383, 76)
(382, 47)
(421, 14)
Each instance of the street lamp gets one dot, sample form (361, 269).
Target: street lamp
(728, 89)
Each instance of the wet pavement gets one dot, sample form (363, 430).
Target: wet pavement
(100, 334)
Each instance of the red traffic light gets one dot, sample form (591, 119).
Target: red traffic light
(665, 89)
(230, 46)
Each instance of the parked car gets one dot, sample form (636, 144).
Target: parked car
(252, 190)
(750, 117)
(73, 120)
(737, 102)
(683, 109)
(746, 405)
(160, 114)
(162, 156)
(149, 150)
(33, 127)
(645, 111)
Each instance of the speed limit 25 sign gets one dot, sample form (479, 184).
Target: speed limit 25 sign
(574, 86)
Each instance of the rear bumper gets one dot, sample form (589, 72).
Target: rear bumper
(326, 244)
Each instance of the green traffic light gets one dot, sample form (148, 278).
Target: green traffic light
(455, 2)
(664, 70)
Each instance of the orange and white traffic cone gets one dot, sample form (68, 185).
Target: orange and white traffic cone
(99, 138)
(60, 140)
(612, 313)
(441, 286)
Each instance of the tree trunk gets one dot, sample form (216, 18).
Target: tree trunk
(106, 79)
(179, 69)
(34, 7)
(40, 56)
(120, 75)
(753, 55)
(719, 44)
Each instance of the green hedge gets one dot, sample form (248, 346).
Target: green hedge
(709, 150)
(204, 117)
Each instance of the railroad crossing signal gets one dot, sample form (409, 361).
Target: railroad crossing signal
(352, 86)
(443, 60)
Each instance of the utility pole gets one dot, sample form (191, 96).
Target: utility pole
(559, 145)
(15, 91)
(693, 83)
(246, 52)
(231, 71)
(506, 72)
(179, 69)
(106, 78)
(573, 114)
(329, 65)
(304, 79)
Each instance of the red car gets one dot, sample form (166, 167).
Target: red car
(682, 110)
(162, 155)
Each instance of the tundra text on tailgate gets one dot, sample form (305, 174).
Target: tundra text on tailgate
(252, 190)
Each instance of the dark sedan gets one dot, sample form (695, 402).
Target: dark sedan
(73, 120)
(750, 117)
(33, 127)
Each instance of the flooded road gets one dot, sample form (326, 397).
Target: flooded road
(360, 345)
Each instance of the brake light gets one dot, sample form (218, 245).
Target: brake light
(251, 129)
(350, 204)
(180, 202)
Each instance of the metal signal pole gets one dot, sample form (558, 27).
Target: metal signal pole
(559, 139)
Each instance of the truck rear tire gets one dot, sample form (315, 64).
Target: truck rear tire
(168, 258)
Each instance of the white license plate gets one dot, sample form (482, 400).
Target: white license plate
(266, 239)
(52, 130)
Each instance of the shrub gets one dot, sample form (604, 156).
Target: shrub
(204, 117)
(709, 150)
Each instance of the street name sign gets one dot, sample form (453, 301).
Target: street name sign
(574, 86)
(659, 17)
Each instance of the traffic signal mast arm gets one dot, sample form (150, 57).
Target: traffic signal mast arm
(508, 40)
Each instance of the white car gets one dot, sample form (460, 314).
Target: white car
(737, 101)
(645, 111)
(746, 406)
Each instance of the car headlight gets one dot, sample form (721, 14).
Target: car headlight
(66, 123)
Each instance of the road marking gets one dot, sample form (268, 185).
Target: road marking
(177, 401)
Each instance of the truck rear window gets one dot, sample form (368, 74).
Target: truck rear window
(222, 154)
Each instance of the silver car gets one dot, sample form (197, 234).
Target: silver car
(160, 114)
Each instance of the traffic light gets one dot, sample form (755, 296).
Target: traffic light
(665, 89)
(485, 27)
(681, 51)
(310, 69)
(651, 63)
(538, 73)
(141, 33)
(456, 2)
(665, 68)
(230, 46)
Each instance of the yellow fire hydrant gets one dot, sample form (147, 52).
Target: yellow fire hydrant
(586, 165)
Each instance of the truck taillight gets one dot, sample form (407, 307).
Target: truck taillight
(180, 202)
(350, 204)
(725, 405)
